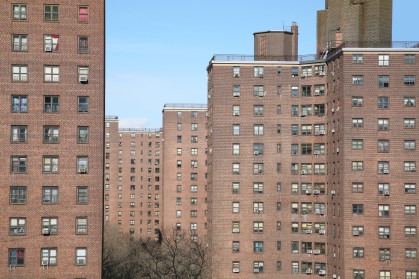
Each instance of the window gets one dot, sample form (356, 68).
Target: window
(83, 74)
(258, 207)
(258, 246)
(236, 148)
(411, 274)
(357, 101)
(19, 134)
(383, 103)
(51, 134)
(51, 12)
(257, 148)
(82, 197)
(358, 252)
(383, 81)
(410, 188)
(319, 109)
(383, 167)
(51, 73)
(19, 12)
(194, 201)
(82, 165)
(306, 71)
(357, 58)
(383, 210)
(83, 104)
(409, 101)
(50, 164)
(194, 226)
(410, 209)
(306, 129)
(50, 195)
(409, 80)
(258, 168)
(357, 144)
(236, 71)
(357, 165)
(81, 256)
(278, 89)
(236, 91)
(383, 189)
(319, 70)
(383, 146)
(410, 231)
(236, 168)
(236, 246)
(295, 267)
(384, 232)
(409, 58)
(294, 111)
(51, 104)
(257, 187)
(257, 267)
(178, 213)
(19, 42)
(357, 122)
(258, 71)
(383, 60)
(294, 91)
(17, 195)
(357, 230)
(306, 110)
(17, 226)
(49, 226)
(236, 110)
(409, 123)
(258, 129)
(258, 110)
(306, 91)
(358, 80)
(20, 73)
(194, 139)
(294, 130)
(384, 254)
(49, 256)
(236, 227)
(236, 187)
(357, 209)
(83, 44)
(294, 71)
(83, 13)
(51, 43)
(278, 109)
(258, 91)
(359, 274)
(18, 164)
(82, 134)
(236, 267)
(258, 227)
(383, 124)
(410, 166)
(16, 257)
(81, 225)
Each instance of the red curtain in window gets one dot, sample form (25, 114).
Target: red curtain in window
(58, 42)
(83, 14)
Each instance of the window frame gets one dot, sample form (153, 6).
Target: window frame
(49, 15)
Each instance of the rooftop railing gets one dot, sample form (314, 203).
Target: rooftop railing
(245, 57)
(185, 105)
(148, 130)
(111, 117)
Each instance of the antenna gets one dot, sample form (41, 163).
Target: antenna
(283, 25)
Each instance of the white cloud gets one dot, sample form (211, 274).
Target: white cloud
(133, 122)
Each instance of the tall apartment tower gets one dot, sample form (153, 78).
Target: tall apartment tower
(52, 85)
(133, 179)
(185, 168)
(357, 23)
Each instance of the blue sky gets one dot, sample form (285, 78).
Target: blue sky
(157, 51)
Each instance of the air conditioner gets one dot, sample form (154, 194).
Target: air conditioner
(303, 172)
(334, 255)
(303, 75)
(386, 193)
(386, 171)
(308, 192)
(48, 48)
(322, 212)
(236, 75)
(316, 252)
(45, 231)
(316, 211)
(45, 262)
(256, 153)
(236, 270)
(413, 169)
(322, 73)
(316, 152)
(261, 94)
(259, 211)
(333, 192)
(322, 132)
(256, 270)
(337, 109)
(316, 93)
(322, 231)
(322, 272)
(236, 94)
(333, 109)
(309, 232)
(308, 271)
(316, 192)
(355, 233)
(337, 150)
(83, 80)
(82, 170)
(236, 113)
(260, 75)
(334, 276)
(303, 114)
(333, 131)
(309, 251)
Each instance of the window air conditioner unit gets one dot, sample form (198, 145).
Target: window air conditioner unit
(322, 231)
(316, 252)
(334, 276)
(316, 211)
(256, 152)
(333, 109)
(261, 94)
(322, 132)
(337, 150)
(321, 212)
(82, 170)
(308, 271)
(256, 270)
(236, 75)
(44, 262)
(322, 272)
(308, 192)
(236, 270)
(337, 109)
(316, 152)
(260, 75)
(333, 131)
(303, 75)
(386, 193)
(355, 233)
(413, 169)
(309, 232)
(316, 192)
(303, 172)
(236, 113)
(333, 192)
(236, 94)
(45, 231)
(83, 80)
(316, 93)
(303, 114)
(309, 251)
(322, 73)
(386, 171)
(48, 48)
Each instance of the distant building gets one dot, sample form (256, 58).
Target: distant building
(52, 84)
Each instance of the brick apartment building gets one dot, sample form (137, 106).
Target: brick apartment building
(52, 85)
(312, 163)
(133, 179)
